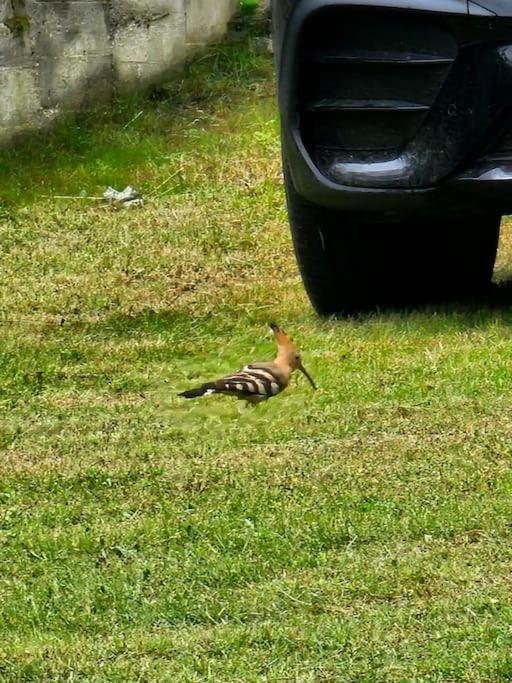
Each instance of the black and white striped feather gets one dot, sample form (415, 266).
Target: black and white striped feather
(254, 383)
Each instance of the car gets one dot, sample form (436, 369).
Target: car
(396, 127)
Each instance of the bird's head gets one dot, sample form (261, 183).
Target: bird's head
(288, 353)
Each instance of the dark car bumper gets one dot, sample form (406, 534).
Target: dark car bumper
(395, 106)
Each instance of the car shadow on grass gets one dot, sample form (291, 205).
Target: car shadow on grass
(477, 308)
(495, 305)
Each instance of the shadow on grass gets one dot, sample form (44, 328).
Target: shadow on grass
(102, 147)
(468, 313)
(495, 303)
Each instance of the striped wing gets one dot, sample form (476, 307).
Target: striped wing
(252, 383)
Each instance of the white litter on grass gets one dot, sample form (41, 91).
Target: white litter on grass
(127, 199)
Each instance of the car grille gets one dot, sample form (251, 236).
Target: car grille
(367, 82)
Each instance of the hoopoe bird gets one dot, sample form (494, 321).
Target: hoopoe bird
(259, 381)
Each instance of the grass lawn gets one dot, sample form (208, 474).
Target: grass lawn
(359, 533)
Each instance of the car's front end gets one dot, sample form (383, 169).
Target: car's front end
(397, 112)
(398, 104)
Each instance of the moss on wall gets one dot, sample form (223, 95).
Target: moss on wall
(18, 24)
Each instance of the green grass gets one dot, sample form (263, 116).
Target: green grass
(249, 7)
(361, 533)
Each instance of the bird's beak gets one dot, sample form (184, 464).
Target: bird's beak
(305, 372)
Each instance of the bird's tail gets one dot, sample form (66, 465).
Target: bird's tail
(203, 390)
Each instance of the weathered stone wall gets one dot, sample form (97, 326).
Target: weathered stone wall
(64, 55)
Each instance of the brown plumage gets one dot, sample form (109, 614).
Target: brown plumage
(259, 381)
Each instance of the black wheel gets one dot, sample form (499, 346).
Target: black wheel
(350, 263)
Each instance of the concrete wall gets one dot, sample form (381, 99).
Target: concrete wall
(64, 55)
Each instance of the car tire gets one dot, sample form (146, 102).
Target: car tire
(350, 263)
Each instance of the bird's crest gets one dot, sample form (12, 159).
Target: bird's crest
(282, 339)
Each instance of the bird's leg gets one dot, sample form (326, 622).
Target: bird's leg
(242, 406)
(247, 403)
